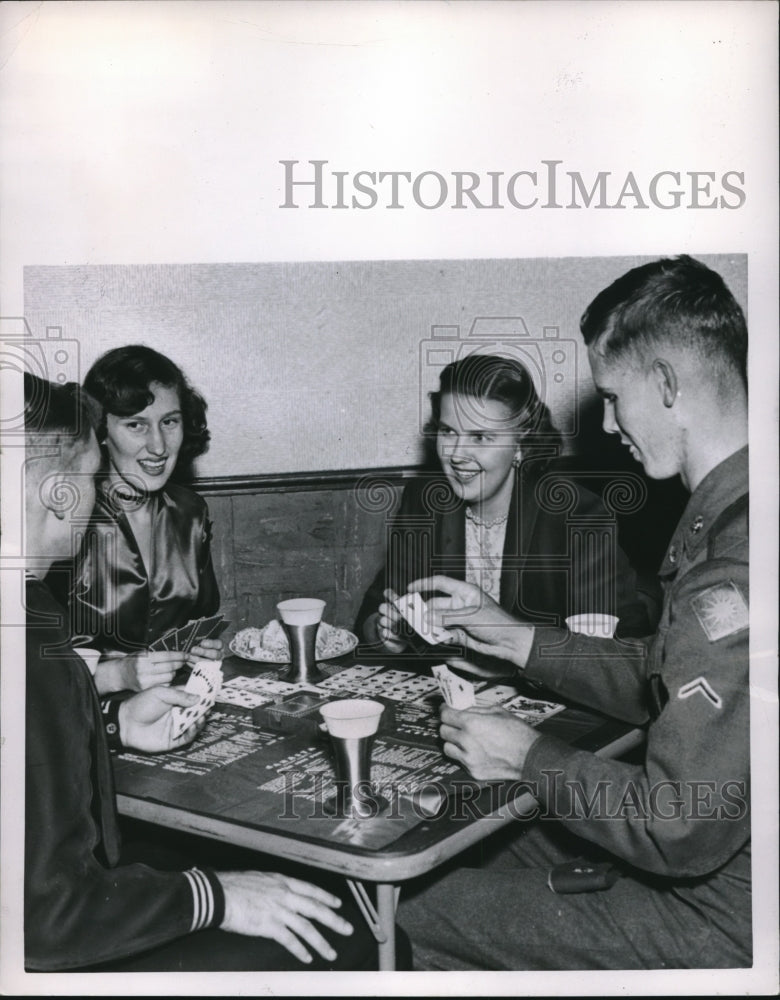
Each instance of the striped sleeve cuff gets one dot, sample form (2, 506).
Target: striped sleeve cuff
(110, 710)
(208, 898)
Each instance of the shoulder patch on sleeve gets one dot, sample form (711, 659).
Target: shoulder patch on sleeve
(722, 610)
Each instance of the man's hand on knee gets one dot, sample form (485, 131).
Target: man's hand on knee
(264, 904)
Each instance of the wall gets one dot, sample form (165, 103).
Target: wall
(326, 367)
(305, 538)
(322, 366)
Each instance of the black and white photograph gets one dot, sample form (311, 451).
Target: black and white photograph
(388, 394)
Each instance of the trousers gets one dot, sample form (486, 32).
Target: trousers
(494, 910)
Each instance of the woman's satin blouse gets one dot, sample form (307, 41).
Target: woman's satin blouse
(114, 603)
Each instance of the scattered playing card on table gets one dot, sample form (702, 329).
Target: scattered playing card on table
(231, 694)
(532, 710)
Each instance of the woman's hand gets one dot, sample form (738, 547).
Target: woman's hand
(388, 623)
(137, 671)
(207, 649)
(474, 620)
(264, 904)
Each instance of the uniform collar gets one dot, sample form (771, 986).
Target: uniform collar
(719, 488)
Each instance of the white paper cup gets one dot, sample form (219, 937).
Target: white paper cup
(89, 656)
(597, 625)
(301, 610)
(352, 718)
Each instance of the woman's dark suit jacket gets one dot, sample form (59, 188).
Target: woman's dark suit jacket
(561, 555)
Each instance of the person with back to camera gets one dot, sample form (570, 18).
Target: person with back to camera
(495, 443)
(87, 905)
(145, 564)
(655, 854)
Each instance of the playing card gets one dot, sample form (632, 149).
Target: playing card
(457, 692)
(349, 679)
(208, 628)
(185, 634)
(218, 629)
(230, 695)
(414, 610)
(161, 643)
(205, 681)
(496, 695)
(532, 710)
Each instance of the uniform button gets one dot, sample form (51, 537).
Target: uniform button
(697, 525)
(111, 728)
(673, 554)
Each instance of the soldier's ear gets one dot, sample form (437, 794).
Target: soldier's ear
(666, 381)
(57, 492)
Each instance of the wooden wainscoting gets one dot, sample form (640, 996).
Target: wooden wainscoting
(318, 534)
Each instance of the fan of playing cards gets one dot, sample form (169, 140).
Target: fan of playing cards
(269, 644)
(205, 680)
(182, 640)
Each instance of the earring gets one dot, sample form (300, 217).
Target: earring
(517, 459)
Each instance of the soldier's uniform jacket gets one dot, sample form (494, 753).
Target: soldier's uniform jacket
(683, 813)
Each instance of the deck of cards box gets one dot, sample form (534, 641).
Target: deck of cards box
(300, 713)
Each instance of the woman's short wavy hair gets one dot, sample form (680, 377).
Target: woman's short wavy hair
(120, 381)
(506, 380)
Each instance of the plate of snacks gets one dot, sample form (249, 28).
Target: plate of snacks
(269, 644)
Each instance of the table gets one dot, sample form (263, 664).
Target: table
(232, 781)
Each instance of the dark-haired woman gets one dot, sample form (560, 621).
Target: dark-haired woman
(145, 564)
(497, 512)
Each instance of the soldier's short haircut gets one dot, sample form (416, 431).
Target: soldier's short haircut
(58, 420)
(677, 301)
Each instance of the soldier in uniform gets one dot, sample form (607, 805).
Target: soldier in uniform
(633, 865)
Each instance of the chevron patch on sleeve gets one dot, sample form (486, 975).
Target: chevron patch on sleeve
(721, 610)
(701, 686)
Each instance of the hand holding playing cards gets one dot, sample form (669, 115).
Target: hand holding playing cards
(475, 620)
(137, 671)
(262, 904)
(388, 623)
(207, 649)
(146, 719)
(489, 742)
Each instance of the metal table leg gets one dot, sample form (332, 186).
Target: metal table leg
(385, 904)
(381, 920)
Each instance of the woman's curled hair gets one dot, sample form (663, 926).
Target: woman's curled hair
(506, 380)
(120, 381)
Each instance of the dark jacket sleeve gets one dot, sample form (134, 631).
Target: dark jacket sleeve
(404, 560)
(79, 909)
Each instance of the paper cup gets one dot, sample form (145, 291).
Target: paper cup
(597, 625)
(352, 718)
(301, 611)
(90, 657)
